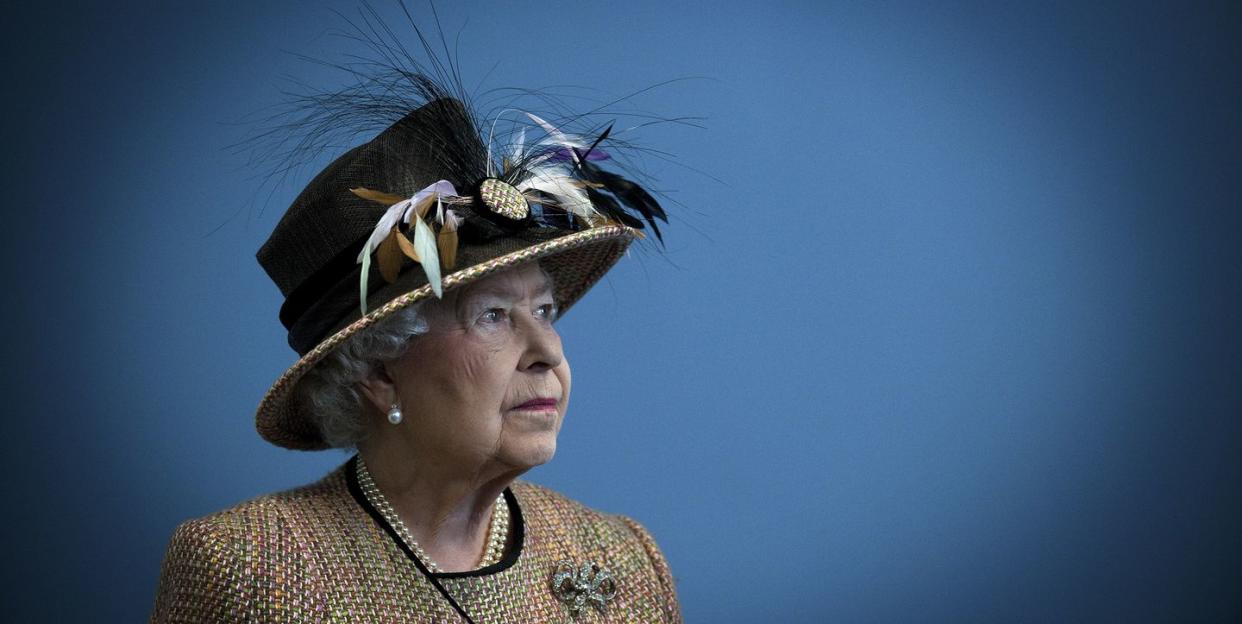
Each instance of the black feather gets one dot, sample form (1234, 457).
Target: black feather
(630, 194)
(611, 209)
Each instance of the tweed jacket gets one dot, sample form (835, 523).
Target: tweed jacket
(322, 553)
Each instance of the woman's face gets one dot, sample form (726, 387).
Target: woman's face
(488, 382)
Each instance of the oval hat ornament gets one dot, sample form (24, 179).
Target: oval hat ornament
(504, 200)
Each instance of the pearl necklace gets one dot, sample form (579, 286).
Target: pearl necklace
(497, 531)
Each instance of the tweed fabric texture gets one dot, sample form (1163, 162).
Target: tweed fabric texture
(316, 554)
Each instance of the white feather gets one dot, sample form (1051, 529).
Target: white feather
(395, 214)
(555, 136)
(554, 181)
(428, 254)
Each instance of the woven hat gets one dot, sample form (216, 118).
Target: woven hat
(426, 206)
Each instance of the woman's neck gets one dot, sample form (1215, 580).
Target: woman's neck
(447, 510)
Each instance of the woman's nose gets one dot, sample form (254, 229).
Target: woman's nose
(543, 346)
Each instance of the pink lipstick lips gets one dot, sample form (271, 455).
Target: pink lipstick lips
(538, 405)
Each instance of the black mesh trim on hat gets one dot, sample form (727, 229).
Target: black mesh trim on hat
(334, 303)
(312, 288)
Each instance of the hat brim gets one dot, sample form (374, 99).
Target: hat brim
(575, 261)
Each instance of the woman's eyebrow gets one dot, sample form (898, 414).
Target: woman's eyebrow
(507, 292)
(473, 302)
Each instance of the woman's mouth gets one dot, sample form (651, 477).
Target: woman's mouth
(538, 405)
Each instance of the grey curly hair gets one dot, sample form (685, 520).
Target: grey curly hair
(329, 390)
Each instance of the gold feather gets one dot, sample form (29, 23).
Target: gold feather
(448, 248)
(376, 196)
(389, 257)
(406, 246)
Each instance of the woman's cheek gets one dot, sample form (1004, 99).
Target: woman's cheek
(563, 375)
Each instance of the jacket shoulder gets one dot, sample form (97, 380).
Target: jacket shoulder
(309, 500)
(215, 565)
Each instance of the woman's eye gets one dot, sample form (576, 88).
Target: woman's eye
(493, 315)
(546, 311)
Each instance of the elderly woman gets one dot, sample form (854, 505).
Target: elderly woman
(423, 273)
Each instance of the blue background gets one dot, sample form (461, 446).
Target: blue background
(955, 336)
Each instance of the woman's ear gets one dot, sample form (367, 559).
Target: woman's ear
(378, 390)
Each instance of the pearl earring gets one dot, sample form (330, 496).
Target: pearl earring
(394, 414)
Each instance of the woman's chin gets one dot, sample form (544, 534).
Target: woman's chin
(530, 453)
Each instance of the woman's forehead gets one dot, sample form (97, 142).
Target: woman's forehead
(507, 286)
(526, 280)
